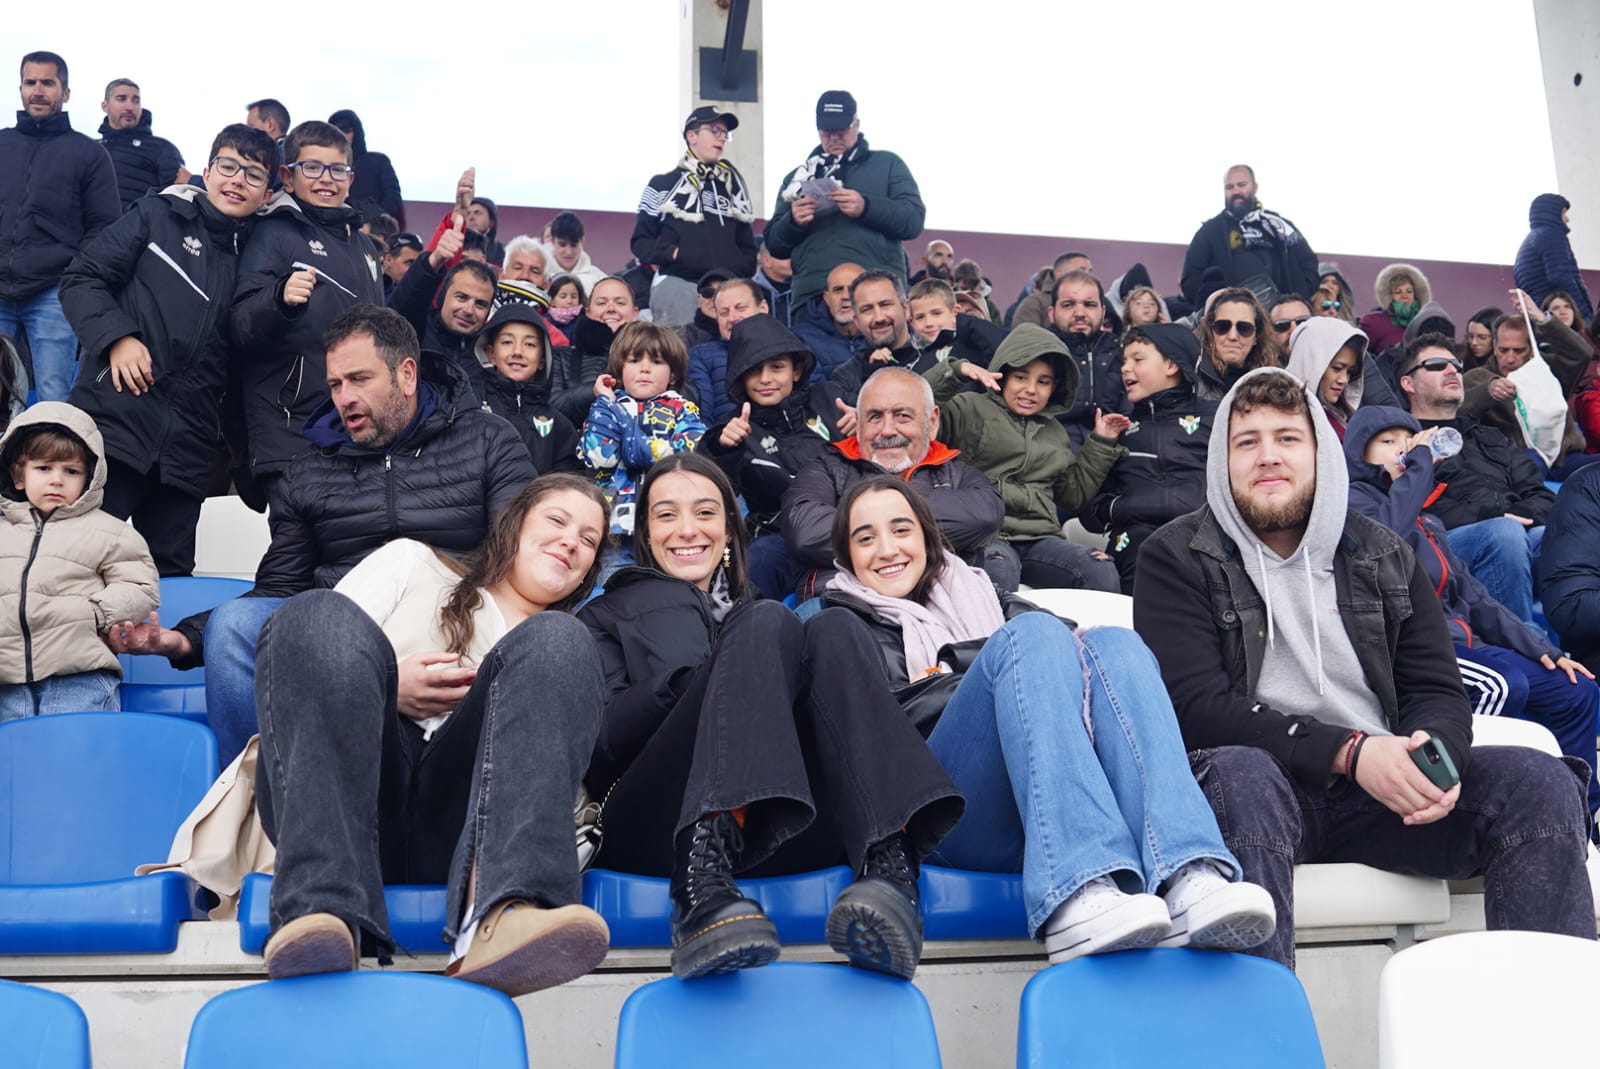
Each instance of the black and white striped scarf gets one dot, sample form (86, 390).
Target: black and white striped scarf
(701, 187)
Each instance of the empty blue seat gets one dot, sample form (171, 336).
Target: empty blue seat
(1195, 1008)
(961, 904)
(416, 916)
(84, 799)
(151, 684)
(781, 1017)
(638, 909)
(389, 1019)
(40, 1029)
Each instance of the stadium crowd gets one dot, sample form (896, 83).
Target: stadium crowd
(734, 545)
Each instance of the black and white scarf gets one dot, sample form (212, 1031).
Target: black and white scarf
(1261, 227)
(697, 181)
(820, 165)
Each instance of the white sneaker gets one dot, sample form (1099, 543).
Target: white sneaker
(1212, 912)
(1100, 917)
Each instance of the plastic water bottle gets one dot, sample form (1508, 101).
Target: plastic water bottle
(1445, 442)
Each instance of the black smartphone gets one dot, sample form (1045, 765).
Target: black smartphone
(1434, 760)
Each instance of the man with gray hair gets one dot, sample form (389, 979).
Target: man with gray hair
(525, 277)
(145, 163)
(897, 428)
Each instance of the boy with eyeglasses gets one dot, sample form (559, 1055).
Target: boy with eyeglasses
(149, 298)
(307, 262)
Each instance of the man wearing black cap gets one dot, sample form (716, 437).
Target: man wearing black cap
(847, 202)
(694, 218)
(400, 250)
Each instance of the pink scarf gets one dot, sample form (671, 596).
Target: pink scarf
(962, 605)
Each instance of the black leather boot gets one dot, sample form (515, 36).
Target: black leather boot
(875, 922)
(715, 929)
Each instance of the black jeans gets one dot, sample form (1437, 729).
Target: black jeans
(1521, 823)
(163, 515)
(354, 797)
(793, 721)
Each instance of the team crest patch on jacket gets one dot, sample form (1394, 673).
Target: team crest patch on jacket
(819, 428)
(770, 444)
(1133, 427)
(191, 245)
(317, 247)
(542, 424)
(1190, 423)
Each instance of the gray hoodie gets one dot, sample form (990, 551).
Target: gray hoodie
(1310, 667)
(1312, 347)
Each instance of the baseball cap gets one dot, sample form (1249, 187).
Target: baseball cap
(404, 240)
(708, 114)
(836, 110)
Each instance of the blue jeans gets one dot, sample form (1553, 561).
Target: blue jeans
(50, 340)
(1045, 798)
(78, 692)
(230, 646)
(1049, 563)
(1501, 553)
(1515, 686)
(1519, 823)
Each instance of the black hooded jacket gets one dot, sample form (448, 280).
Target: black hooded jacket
(551, 439)
(164, 273)
(280, 367)
(853, 374)
(441, 482)
(784, 436)
(574, 369)
(144, 163)
(414, 297)
(1163, 474)
(1099, 360)
(375, 190)
(57, 191)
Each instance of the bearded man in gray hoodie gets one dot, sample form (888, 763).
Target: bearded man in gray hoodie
(1308, 658)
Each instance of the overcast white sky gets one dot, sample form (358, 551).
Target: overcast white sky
(1389, 129)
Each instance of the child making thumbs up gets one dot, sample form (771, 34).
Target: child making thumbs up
(783, 421)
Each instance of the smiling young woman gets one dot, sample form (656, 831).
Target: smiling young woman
(738, 739)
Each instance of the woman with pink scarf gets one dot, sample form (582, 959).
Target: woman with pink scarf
(1066, 746)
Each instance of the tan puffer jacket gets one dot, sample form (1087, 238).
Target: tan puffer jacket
(65, 578)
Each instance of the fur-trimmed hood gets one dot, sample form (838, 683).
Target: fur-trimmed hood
(1383, 289)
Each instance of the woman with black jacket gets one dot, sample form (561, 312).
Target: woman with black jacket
(1067, 750)
(737, 739)
(375, 190)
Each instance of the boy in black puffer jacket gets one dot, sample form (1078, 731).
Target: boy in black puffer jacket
(784, 420)
(514, 384)
(1163, 474)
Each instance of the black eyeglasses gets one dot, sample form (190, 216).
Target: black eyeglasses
(341, 172)
(1282, 325)
(1437, 363)
(227, 167)
(1245, 327)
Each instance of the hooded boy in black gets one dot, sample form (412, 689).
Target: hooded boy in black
(1163, 474)
(514, 383)
(1507, 665)
(783, 419)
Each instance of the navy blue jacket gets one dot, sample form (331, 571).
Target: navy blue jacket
(144, 163)
(1568, 575)
(1545, 262)
(57, 191)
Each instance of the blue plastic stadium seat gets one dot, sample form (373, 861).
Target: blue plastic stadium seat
(84, 799)
(958, 904)
(390, 1019)
(638, 910)
(416, 916)
(1195, 1008)
(786, 1016)
(40, 1029)
(151, 684)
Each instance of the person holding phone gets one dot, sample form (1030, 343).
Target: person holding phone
(1309, 663)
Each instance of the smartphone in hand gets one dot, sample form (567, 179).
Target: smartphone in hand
(1434, 760)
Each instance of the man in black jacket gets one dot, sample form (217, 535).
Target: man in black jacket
(1247, 245)
(1494, 501)
(1308, 661)
(307, 262)
(145, 163)
(879, 300)
(402, 450)
(149, 299)
(465, 291)
(57, 191)
(695, 217)
(1077, 311)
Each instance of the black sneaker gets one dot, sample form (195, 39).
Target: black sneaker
(715, 929)
(875, 922)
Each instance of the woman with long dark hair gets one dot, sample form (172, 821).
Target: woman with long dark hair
(429, 722)
(739, 739)
(1233, 339)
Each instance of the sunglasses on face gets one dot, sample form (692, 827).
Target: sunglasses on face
(1331, 306)
(709, 290)
(1222, 327)
(1437, 363)
(1284, 325)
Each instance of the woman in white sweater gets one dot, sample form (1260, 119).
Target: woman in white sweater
(429, 721)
